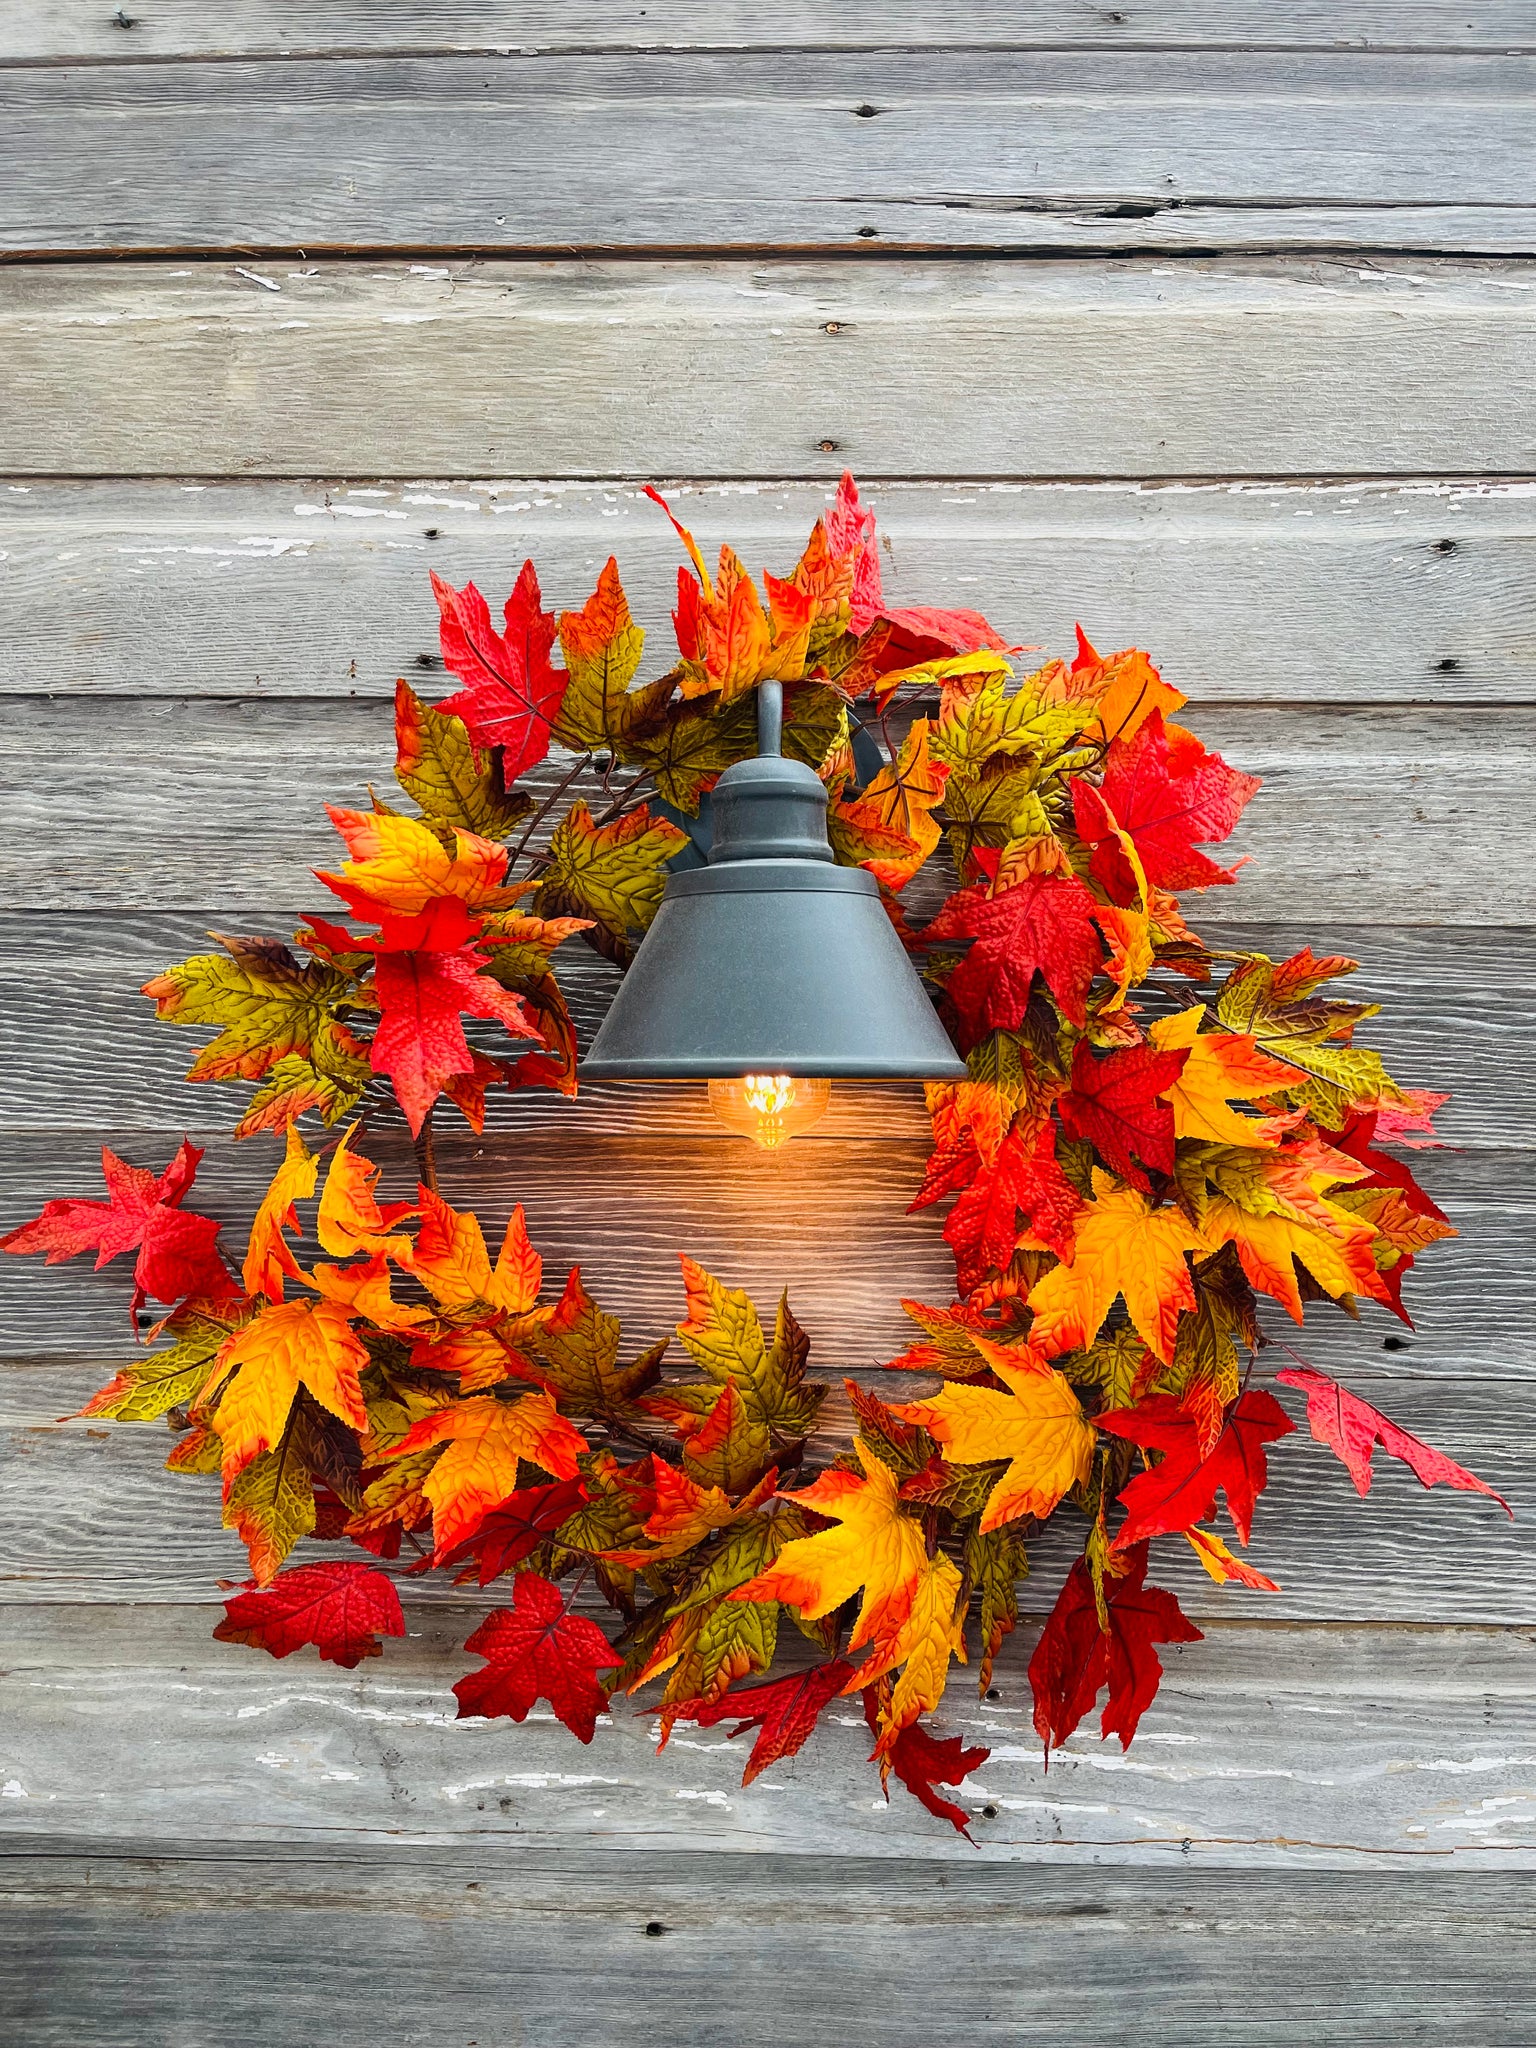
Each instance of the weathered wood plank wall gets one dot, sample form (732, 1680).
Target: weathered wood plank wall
(1212, 325)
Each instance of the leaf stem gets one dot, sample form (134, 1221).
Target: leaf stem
(426, 1153)
(545, 808)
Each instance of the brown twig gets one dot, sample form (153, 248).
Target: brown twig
(544, 810)
(426, 1154)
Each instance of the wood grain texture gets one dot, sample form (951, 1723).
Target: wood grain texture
(43, 30)
(754, 1951)
(715, 370)
(186, 802)
(89, 1515)
(839, 150)
(1358, 593)
(1281, 1748)
(82, 1049)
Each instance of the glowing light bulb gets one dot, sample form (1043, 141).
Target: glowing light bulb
(769, 1108)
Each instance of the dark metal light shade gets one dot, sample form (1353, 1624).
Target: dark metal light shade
(771, 959)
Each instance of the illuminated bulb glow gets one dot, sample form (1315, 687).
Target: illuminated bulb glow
(769, 1108)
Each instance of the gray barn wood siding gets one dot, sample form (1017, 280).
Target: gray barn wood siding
(1212, 325)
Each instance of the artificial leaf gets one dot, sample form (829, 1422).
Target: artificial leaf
(1223, 1566)
(1124, 690)
(438, 764)
(1024, 1178)
(1117, 1104)
(612, 873)
(602, 647)
(536, 1649)
(1337, 1256)
(342, 1609)
(262, 1366)
(1077, 1656)
(1219, 1068)
(1044, 923)
(277, 1018)
(515, 1530)
(268, 1256)
(349, 1218)
(151, 1386)
(1124, 1247)
(484, 1439)
(995, 1561)
(1280, 1007)
(427, 975)
(451, 1261)
(1037, 1425)
(1169, 793)
(402, 866)
(177, 1250)
(922, 1761)
(722, 1334)
(1181, 1489)
(1352, 1428)
(578, 1347)
(782, 1710)
(892, 816)
(512, 691)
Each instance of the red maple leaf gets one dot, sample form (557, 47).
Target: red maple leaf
(537, 1650)
(1114, 1103)
(782, 1710)
(427, 975)
(1075, 1658)
(1182, 1489)
(1044, 923)
(1352, 1428)
(342, 1609)
(178, 1255)
(922, 1761)
(1168, 792)
(851, 531)
(1386, 1172)
(515, 1530)
(983, 1228)
(512, 691)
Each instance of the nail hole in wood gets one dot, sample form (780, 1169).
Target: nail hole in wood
(868, 234)
(654, 1928)
(1394, 1343)
(1448, 665)
(1445, 547)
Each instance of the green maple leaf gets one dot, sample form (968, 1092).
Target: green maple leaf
(436, 764)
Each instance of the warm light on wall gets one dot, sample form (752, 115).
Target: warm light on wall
(769, 1108)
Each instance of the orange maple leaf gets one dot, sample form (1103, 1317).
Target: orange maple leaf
(1038, 1425)
(1339, 1259)
(889, 826)
(268, 1256)
(907, 1611)
(484, 1438)
(1222, 1067)
(262, 1366)
(450, 1259)
(402, 866)
(349, 1218)
(1125, 1247)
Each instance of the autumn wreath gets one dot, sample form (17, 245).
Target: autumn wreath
(1126, 1180)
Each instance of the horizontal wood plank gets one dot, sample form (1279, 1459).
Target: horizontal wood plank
(1274, 1749)
(89, 1515)
(1344, 593)
(1196, 368)
(43, 30)
(829, 151)
(754, 1951)
(1404, 813)
(826, 1220)
(83, 1051)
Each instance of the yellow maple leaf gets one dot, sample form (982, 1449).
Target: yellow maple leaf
(349, 1218)
(363, 1289)
(262, 1366)
(402, 865)
(614, 873)
(1038, 1425)
(1124, 1247)
(268, 1255)
(875, 1546)
(932, 1633)
(1223, 1066)
(1340, 1260)
(484, 1439)
(602, 647)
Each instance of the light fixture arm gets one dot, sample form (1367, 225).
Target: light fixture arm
(770, 718)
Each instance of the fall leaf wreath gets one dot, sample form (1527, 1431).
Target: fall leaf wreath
(1126, 1181)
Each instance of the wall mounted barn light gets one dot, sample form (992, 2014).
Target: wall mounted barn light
(770, 971)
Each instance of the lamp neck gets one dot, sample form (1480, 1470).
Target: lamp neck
(770, 718)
